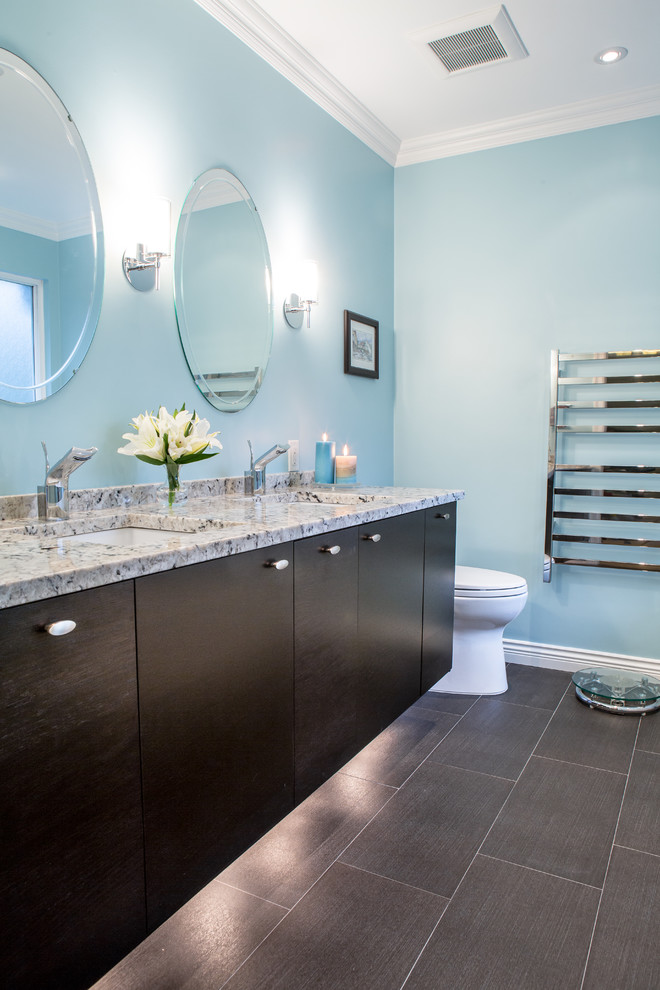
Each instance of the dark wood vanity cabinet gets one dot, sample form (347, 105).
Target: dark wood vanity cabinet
(215, 651)
(439, 566)
(327, 671)
(72, 884)
(390, 597)
(92, 805)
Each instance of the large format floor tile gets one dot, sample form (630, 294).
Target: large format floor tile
(625, 954)
(579, 734)
(561, 819)
(296, 852)
(639, 825)
(535, 686)
(200, 946)
(429, 832)
(649, 733)
(452, 704)
(493, 737)
(352, 931)
(396, 752)
(506, 927)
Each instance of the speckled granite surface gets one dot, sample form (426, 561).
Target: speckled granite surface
(37, 561)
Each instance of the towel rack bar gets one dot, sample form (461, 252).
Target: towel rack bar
(608, 492)
(601, 428)
(608, 516)
(613, 541)
(621, 564)
(608, 404)
(616, 380)
(609, 355)
(610, 468)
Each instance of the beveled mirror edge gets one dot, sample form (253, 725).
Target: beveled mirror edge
(216, 174)
(68, 369)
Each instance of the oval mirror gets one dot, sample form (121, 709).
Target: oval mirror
(222, 290)
(51, 240)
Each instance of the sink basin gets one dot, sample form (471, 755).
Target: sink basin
(126, 536)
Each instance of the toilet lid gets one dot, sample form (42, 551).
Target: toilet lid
(482, 583)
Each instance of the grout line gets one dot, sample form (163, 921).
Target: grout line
(248, 893)
(632, 849)
(609, 860)
(545, 873)
(402, 883)
(585, 766)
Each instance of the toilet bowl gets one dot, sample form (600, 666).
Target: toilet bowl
(484, 603)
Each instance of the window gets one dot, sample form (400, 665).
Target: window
(22, 339)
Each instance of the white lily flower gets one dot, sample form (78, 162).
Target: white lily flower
(147, 442)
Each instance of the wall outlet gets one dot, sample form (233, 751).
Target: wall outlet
(294, 455)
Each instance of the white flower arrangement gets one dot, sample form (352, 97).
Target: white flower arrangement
(170, 439)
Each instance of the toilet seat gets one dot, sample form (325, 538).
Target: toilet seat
(479, 582)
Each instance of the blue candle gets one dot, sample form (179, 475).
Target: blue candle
(324, 467)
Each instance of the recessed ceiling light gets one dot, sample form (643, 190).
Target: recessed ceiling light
(611, 55)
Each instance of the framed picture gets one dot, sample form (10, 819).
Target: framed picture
(360, 345)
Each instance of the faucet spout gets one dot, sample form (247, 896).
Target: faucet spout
(53, 495)
(255, 478)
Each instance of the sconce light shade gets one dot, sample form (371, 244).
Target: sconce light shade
(307, 295)
(142, 265)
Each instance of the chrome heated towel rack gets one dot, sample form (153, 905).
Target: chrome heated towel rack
(595, 402)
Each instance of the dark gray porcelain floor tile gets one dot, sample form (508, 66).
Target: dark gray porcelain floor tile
(509, 927)
(396, 752)
(351, 931)
(296, 852)
(649, 733)
(453, 704)
(561, 819)
(198, 947)
(639, 825)
(625, 954)
(429, 832)
(494, 737)
(535, 687)
(579, 734)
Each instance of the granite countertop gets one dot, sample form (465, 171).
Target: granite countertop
(38, 562)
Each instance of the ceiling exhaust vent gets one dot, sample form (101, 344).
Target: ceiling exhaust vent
(472, 42)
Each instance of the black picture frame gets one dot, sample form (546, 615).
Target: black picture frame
(360, 345)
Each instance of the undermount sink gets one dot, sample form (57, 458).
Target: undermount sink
(125, 536)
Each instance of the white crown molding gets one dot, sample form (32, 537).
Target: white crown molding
(263, 35)
(27, 224)
(259, 32)
(529, 127)
(569, 659)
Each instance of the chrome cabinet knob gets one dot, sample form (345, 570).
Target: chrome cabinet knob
(442, 515)
(374, 537)
(279, 565)
(61, 628)
(332, 550)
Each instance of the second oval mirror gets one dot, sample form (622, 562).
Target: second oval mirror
(222, 290)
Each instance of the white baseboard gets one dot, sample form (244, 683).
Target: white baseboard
(569, 659)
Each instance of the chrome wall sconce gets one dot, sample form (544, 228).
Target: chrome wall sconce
(300, 302)
(142, 266)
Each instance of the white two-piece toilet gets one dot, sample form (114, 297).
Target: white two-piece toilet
(484, 603)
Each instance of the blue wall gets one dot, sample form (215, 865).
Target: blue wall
(501, 256)
(160, 92)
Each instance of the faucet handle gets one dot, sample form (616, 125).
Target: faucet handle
(249, 443)
(43, 444)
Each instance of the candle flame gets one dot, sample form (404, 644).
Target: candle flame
(324, 437)
(345, 449)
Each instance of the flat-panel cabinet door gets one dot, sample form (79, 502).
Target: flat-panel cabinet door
(439, 567)
(72, 886)
(391, 554)
(327, 661)
(215, 660)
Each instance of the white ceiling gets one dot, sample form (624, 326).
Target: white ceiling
(357, 59)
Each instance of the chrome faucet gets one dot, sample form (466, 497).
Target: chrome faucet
(53, 495)
(255, 478)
